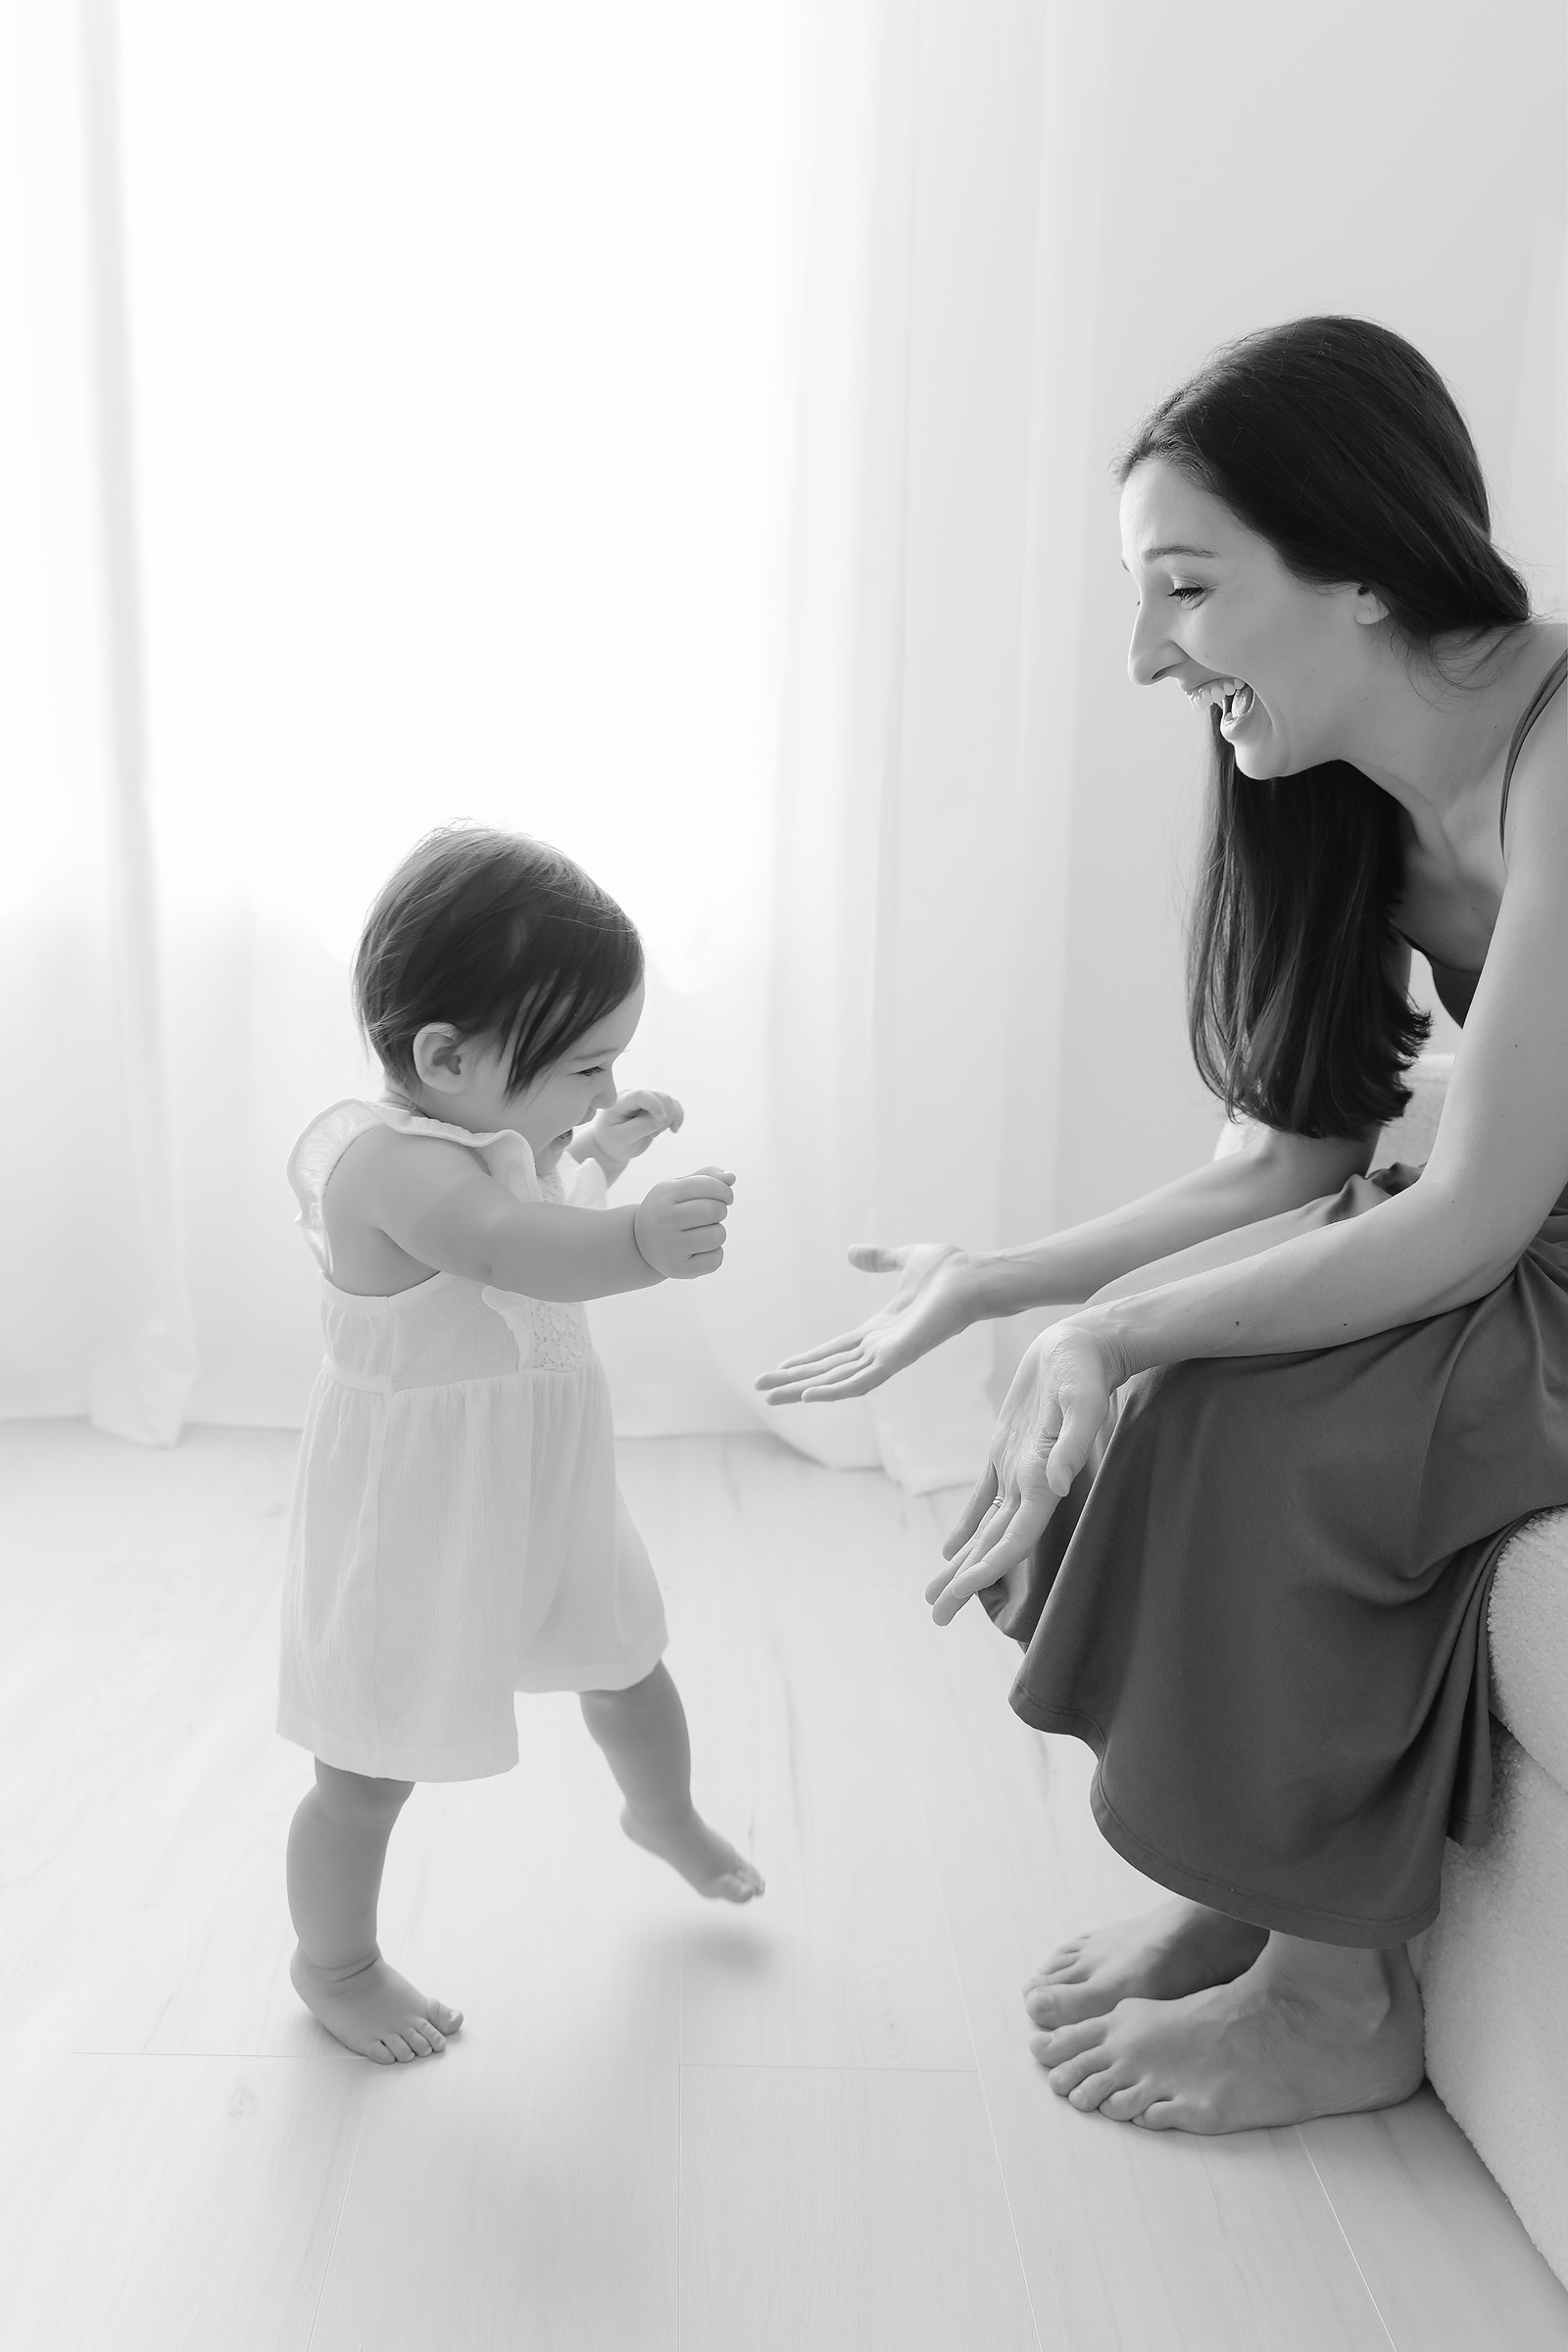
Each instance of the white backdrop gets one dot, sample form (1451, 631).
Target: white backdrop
(683, 434)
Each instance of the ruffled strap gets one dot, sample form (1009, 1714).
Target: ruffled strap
(312, 1162)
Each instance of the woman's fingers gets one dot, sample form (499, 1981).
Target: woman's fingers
(809, 1360)
(981, 1498)
(827, 1387)
(995, 1551)
(875, 1257)
(1082, 1415)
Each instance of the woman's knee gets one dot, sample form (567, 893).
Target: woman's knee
(354, 1797)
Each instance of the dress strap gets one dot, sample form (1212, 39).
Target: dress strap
(1538, 703)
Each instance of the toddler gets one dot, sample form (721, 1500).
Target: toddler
(458, 1534)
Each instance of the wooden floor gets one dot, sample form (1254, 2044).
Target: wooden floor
(808, 2126)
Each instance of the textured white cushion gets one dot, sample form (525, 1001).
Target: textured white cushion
(1492, 1978)
(1408, 1138)
(1528, 1626)
(1411, 1135)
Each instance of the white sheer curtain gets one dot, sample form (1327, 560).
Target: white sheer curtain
(682, 433)
(617, 423)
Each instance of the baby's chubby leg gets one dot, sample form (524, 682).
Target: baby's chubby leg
(336, 1848)
(643, 1734)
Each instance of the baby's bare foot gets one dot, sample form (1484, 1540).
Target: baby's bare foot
(1182, 1948)
(704, 1859)
(375, 2011)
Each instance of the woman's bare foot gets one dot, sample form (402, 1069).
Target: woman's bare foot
(704, 1859)
(1308, 2030)
(375, 2011)
(1179, 1948)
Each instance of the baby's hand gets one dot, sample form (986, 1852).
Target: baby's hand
(679, 1227)
(631, 1123)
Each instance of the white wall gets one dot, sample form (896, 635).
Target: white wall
(1258, 162)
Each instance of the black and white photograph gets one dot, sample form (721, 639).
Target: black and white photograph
(784, 1304)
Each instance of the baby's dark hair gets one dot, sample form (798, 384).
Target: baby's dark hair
(503, 937)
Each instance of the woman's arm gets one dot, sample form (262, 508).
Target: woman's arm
(1499, 1161)
(1271, 1174)
(941, 1288)
(1498, 1164)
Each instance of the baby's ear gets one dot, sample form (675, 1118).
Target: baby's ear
(437, 1051)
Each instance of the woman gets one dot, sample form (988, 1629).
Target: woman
(1257, 1586)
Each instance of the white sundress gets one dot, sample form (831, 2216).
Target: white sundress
(457, 1533)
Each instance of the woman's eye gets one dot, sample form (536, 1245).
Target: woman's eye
(1186, 590)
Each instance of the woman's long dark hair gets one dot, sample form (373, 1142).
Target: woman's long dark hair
(1336, 441)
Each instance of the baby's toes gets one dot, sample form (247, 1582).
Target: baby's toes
(445, 2020)
(400, 2048)
(742, 1885)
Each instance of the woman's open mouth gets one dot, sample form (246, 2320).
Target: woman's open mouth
(1232, 697)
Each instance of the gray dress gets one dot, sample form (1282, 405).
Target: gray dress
(1265, 1609)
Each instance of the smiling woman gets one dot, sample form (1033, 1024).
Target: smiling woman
(1294, 1013)
(1244, 1504)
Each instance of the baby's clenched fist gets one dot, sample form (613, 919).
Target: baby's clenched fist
(679, 1227)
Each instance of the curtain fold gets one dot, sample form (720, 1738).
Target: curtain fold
(270, 603)
(144, 1367)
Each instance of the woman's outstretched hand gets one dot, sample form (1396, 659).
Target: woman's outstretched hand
(1048, 1421)
(930, 1303)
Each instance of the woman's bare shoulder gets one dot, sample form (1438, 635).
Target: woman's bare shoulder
(1537, 790)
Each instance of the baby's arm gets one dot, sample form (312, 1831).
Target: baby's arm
(438, 1204)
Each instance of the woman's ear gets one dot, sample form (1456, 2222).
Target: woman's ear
(440, 1057)
(1367, 607)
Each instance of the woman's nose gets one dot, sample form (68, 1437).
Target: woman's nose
(1151, 652)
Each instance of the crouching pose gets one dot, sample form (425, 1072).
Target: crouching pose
(1257, 1586)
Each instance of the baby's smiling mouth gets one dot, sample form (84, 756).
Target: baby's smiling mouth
(1232, 697)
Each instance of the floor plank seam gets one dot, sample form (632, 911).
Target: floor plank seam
(957, 1972)
(342, 2208)
(815, 2066)
(1349, 2249)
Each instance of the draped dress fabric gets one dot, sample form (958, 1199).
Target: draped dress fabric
(458, 1534)
(1264, 1606)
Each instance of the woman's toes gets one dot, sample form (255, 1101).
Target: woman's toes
(1056, 2042)
(1065, 2076)
(1051, 2007)
(1158, 2116)
(1123, 2106)
(1092, 2091)
(1050, 1971)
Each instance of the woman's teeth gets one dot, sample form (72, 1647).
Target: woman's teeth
(1232, 697)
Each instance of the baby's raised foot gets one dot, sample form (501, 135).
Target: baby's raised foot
(704, 1859)
(375, 2011)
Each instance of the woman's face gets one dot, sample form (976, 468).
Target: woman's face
(1219, 615)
